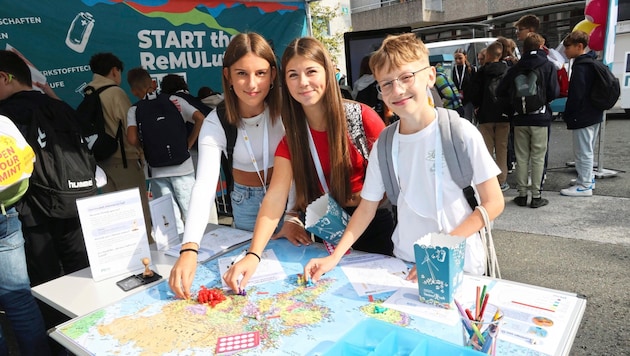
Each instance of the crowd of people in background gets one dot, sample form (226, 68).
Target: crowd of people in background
(277, 125)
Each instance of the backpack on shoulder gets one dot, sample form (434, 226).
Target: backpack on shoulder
(226, 181)
(64, 169)
(16, 164)
(605, 90)
(528, 92)
(459, 165)
(92, 122)
(162, 131)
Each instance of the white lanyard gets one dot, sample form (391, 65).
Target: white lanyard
(460, 77)
(265, 151)
(438, 169)
(318, 164)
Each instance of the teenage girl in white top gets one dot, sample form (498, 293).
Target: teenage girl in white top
(253, 105)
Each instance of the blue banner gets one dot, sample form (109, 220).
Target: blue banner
(163, 36)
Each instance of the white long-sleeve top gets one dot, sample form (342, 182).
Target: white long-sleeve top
(212, 143)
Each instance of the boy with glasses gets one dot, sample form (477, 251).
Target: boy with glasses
(401, 68)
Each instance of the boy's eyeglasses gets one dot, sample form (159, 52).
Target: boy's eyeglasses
(404, 80)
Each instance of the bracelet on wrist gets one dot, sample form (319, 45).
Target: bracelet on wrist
(293, 219)
(254, 254)
(188, 250)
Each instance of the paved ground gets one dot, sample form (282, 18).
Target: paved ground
(580, 245)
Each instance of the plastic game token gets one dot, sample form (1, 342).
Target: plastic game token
(237, 342)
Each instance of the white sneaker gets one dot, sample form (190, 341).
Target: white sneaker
(574, 182)
(577, 191)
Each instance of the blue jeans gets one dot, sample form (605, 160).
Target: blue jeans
(15, 292)
(583, 149)
(246, 202)
(180, 188)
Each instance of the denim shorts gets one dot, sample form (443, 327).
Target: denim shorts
(246, 202)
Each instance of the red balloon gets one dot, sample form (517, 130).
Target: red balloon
(596, 11)
(596, 39)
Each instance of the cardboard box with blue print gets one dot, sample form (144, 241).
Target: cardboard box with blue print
(326, 219)
(440, 266)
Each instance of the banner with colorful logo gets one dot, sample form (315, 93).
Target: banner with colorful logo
(186, 37)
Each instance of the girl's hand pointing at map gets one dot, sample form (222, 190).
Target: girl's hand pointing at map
(182, 274)
(316, 267)
(239, 273)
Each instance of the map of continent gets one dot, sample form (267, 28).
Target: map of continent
(289, 316)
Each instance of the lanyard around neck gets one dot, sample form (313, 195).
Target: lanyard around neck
(460, 77)
(438, 169)
(265, 152)
(318, 164)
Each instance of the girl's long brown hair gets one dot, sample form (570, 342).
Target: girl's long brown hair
(295, 124)
(242, 44)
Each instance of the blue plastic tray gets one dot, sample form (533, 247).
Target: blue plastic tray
(375, 338)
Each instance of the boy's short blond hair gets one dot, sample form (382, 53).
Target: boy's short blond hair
(530, 22)
(533, 42)
(396, 51)
(576, 37)
(494, 52)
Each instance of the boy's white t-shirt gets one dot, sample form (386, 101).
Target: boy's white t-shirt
(417, 213)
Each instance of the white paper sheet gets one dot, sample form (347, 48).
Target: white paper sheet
(164, 222)
(114, 233)
(269, 269)
(373, 274)
(215, 242)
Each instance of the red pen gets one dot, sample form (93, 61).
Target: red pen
(469, 314)
(483, 307)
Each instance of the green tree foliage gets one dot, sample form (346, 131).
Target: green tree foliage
(321, 16)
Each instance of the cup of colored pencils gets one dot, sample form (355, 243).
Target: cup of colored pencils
(480, 324)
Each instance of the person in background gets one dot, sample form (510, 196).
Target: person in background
(16, 300)
(531, 129)
(481, 58)
(209, 97)
(507, 57)
(107, 70)
(463, 72)
(315, 117)
(177, 178)
(581, 117)
(448, 91)
(364, 89)
(494, 125)
(252, 107)
(401, 67)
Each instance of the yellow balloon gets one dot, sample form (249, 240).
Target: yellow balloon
(585, 26)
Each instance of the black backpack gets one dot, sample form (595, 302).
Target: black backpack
(605, 90)
(528, 92)
(92, 121)
(64, 168)
(198, 104)
(224, 203)
(162, 131)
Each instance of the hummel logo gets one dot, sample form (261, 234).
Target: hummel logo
(41, 138)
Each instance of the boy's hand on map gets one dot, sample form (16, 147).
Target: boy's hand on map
(239, 273)
(295, 233)
(182, 275)
(316, 267)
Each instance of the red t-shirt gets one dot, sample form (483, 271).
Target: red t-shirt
(373, 125)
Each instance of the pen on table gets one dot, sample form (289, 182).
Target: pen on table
(483, 294)
(463, 314)
(483, 307)
(477, 303)
(238, 258)
(469, 314)
(478, 333)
